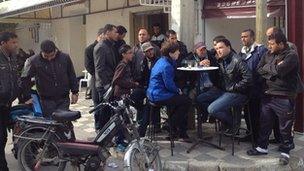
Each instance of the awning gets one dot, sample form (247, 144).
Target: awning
(16, 7)
(240, 8)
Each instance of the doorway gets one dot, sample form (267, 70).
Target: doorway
(146, 20)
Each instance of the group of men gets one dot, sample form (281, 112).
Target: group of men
(55, 80)
(266, 79)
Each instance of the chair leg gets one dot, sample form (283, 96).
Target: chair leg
(171, 134)
(151, 126)
(250, 127)
(233, 134)
(221, 133)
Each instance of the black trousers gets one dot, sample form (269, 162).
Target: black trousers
(179, 106)
(4, 117)
(284, 109)
(50, 105)
(143, 111)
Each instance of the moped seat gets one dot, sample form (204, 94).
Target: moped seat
(65, 115)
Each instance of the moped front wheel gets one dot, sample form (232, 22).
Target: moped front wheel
(31, 155)
(138, 161)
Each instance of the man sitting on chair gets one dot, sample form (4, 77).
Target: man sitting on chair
(234, 80)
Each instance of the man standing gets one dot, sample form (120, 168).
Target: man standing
(158, 38)
(251, 53)
(281, 69)
(105, 61)
(172, 38)
(121, 33)
(9, 89)
(234, 80)
(89, 65)
(55, 78)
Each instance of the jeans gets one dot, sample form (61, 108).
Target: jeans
(143, 110)
(4, 112)
(218, 103)
(284, 109)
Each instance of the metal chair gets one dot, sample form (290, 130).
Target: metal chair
(153, 108)
(235, 112)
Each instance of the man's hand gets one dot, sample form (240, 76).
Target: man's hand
(205, 63)
(74, 98)
(180, 92)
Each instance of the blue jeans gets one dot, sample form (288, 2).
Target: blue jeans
(218, 103)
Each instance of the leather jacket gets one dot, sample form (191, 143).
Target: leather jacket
(282, 73)
(234, 74)
(9, 89)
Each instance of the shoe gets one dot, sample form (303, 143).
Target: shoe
(185, 138)
(255, 152)
(284, 159)
(121, 148)
(211, 119)
(231, 131)
(88, 97)
(286, 147)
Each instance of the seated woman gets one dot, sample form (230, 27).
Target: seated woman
(122, 79)
(162, 89)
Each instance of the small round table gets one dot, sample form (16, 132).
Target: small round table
(199, 119)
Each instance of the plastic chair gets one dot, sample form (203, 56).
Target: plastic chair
(85, 79)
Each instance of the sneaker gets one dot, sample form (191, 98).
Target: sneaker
(286, 147)
(121, 148)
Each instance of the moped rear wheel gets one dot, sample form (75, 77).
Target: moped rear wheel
(30, 151)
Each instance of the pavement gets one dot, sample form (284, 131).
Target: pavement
(203, 158)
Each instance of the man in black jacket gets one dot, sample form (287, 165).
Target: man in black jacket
(90, 67)
(234, 80)
(139, 56)
(55, 78)
(105, 62)
(281, 69)
(8, 86)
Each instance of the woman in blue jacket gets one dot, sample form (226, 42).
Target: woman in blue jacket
(162, 89)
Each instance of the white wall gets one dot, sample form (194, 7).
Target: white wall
(69, 37)
(26, 41)
(116, 17)
(230, 28)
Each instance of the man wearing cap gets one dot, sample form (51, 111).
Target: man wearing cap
(207, 80)
(55, 78)
(203, 58)
(140, 93)
(234, 80)
(139, 56)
